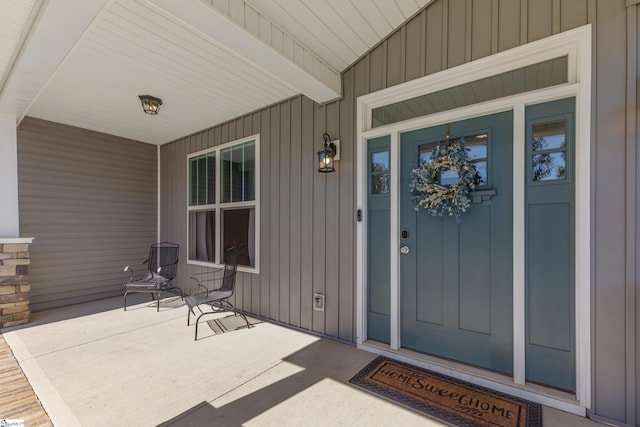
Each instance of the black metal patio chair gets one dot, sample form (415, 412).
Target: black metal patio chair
(162, 266)
(216, 298)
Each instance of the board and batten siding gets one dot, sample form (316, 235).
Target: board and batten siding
(308, 219)
(90, 201)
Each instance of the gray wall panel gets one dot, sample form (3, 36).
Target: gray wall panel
(456, 32)
(274, 213)
(539, 19)
(633, 217)
(347, 212)
(573, 13)
(307, 219)
(482, 27)
(265, 202)
(255, 279)
(634, 275)
(395, 59)
(284, 213)
(319, 214)
(301, 209)
(435, 19)
(332, 224)
(608, 242)
(414, 56)
(88, 199)
(378, 69)
(295, 211)
(509, 28)
(309, 167)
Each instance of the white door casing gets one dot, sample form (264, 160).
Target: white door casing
(576, 46)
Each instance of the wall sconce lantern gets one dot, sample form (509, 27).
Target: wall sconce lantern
(328, 154)
(150, 104)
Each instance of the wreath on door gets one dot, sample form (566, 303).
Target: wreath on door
(445, 199)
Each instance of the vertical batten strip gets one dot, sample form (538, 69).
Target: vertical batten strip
(519, 304)
(423, 42)
(468, 45)
(494, 25)
(524, 19)
(631, 214)
(445, 35)
(555, 17)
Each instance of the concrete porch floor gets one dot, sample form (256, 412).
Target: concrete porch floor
(96, 365)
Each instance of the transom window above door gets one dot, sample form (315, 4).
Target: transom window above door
(223, 203)
(541, 75)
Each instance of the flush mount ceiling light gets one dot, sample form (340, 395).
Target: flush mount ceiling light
(150, 104)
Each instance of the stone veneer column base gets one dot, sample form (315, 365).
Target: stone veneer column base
(15, 290)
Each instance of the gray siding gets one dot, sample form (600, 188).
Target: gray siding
(308, 219)
(632, 362)
(89, 199)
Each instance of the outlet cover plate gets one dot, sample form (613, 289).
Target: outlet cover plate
(318, 302)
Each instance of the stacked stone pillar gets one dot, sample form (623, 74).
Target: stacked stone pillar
(14, 282)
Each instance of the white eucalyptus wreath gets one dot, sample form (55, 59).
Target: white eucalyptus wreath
(438, 199)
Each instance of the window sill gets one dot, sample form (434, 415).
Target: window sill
(242, 269)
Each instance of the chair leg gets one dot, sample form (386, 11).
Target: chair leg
(125, 300)
(237, 312)
(195, 337)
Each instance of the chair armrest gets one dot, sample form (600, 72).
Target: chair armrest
(129, 268)
(165, 265)
(207, 273)
(200, 288)
(200, 282)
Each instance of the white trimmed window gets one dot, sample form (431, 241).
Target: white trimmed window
(223, 204)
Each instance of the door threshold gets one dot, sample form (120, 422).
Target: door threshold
(536, 393)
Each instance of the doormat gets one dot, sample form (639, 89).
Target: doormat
(451, 400)
(230, 323)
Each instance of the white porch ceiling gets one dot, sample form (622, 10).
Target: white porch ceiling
(84, 62)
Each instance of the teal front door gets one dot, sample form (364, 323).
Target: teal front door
(456, 278)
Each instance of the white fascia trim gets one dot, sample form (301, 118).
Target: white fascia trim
(225, 33)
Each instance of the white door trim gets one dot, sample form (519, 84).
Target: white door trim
(576, 45)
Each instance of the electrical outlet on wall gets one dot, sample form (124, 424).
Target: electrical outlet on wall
(318, 302)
